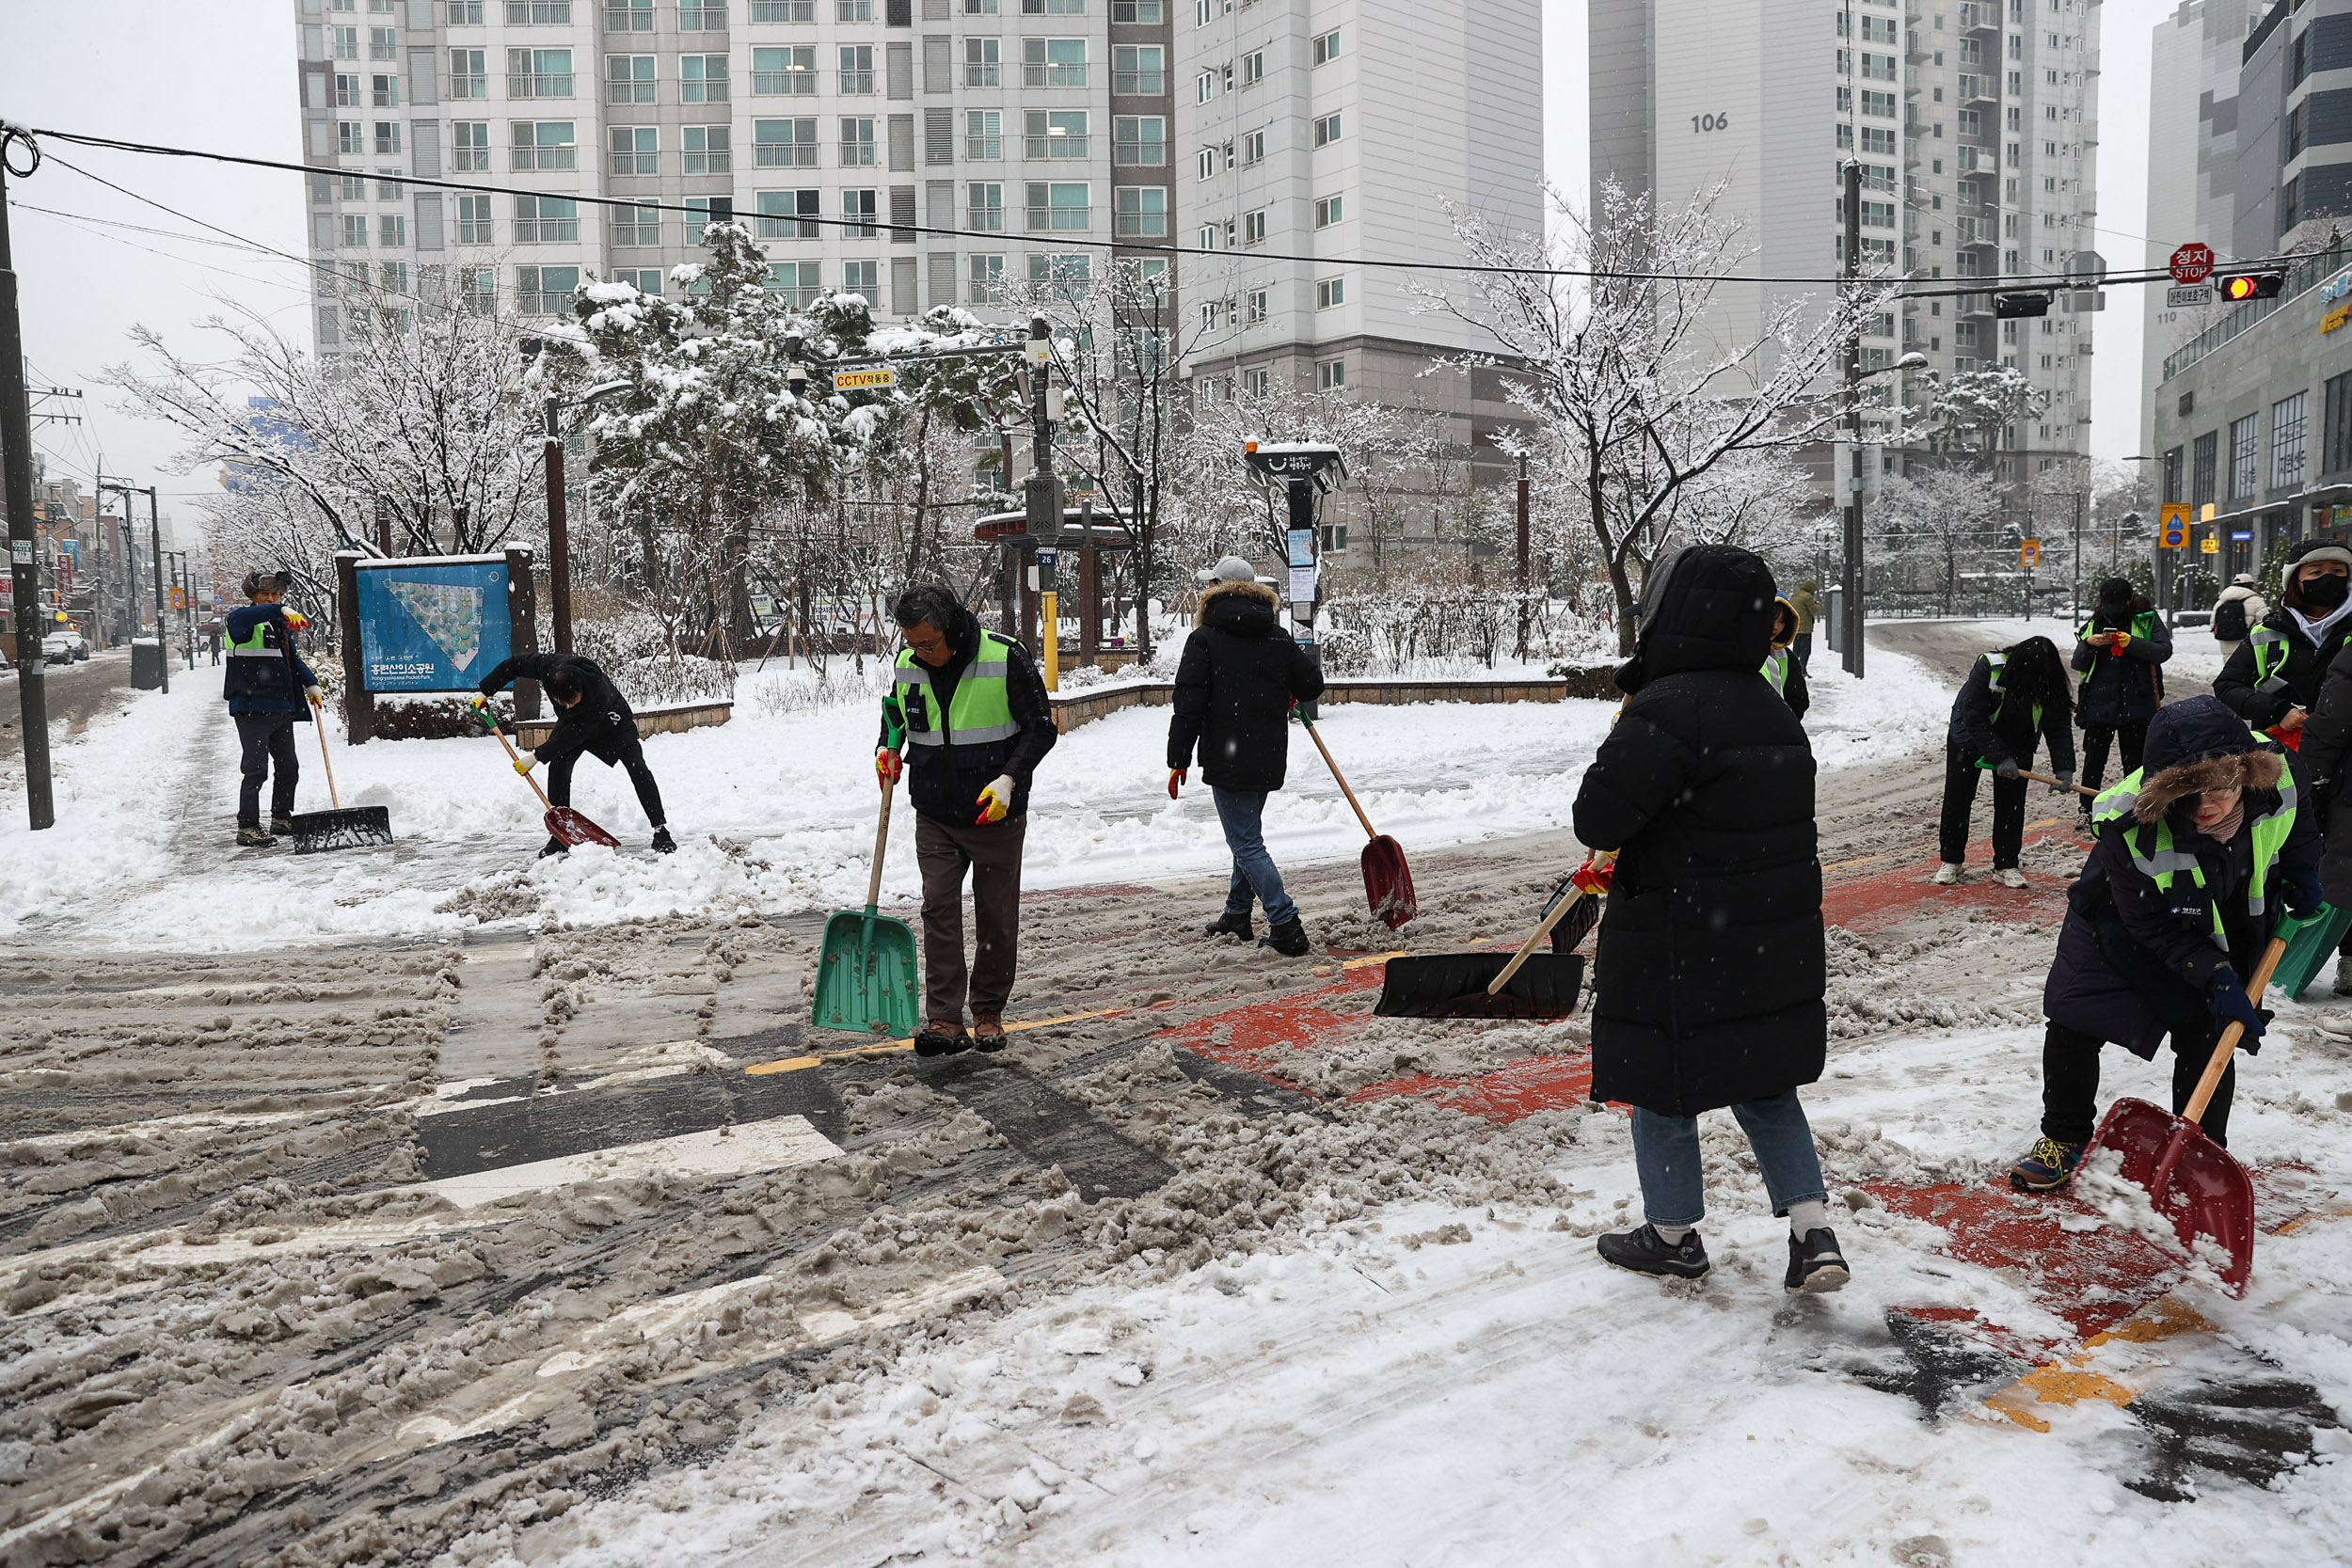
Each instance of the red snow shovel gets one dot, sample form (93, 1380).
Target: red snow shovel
(1388, 880)
(563, 823)
(2190, 1179)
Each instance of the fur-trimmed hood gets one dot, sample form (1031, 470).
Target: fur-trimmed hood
(1238, 600)
(2198, 745)
(1780, 604)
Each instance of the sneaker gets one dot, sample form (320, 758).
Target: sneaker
(662, 843)
(941, 1040)
(1946, 875)
(2049, 1163)
(988, 1032)
(253, 838)
(1290, 939)
(1644, 1251)
(2344, 975)
(1816, 1267)
(554, 845)
(282, 826)
(1231, 925)
(2012, 877)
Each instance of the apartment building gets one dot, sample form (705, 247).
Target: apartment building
(1339, 132)
(836, 128)
(1976, 124)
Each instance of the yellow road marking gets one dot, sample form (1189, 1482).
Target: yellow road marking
(2071, 1382)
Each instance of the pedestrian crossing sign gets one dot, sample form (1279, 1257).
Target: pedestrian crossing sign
(2173, 526)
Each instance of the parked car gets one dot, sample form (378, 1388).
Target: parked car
(76, 641)
(57, 648)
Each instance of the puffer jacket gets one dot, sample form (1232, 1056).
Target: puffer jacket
(1240, 673)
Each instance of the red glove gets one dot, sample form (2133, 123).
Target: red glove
(1175, 777)
(887, 767)
(296, 619)
(1594, 875)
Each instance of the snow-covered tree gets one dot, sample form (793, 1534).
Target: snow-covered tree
(1972, 410)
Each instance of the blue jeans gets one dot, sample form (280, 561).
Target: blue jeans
(1667, 1154)
(1240, 812)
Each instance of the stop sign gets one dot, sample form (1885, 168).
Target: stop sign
(2192, 263)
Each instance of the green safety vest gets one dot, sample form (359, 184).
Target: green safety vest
(2270, 651)
(2000, 665)
(980, 713)
(2156, 855)
(1776, 671)
(2142, 625)
(258, 666)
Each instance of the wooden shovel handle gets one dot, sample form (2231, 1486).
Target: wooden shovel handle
(1340, 777)
(2229, 1037)
(318, 718)
(1559, 911)
(881, 841)
(512, 756)
(2044, 778)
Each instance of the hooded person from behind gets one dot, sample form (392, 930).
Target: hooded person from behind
(1710, 979)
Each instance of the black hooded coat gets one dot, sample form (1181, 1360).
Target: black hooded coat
(1708, 986)
(1239, 675)
(2125, 687)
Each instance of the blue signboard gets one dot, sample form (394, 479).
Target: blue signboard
(432, 623)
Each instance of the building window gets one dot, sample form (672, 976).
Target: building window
(1141, 211)
(1062, 208)
(704, 211)
(538, 14)
(788, 73)
(1204, 87)
(1327, 131)
(857, 68)
(629, 16)
(1053, 7)
(629, 79)
(636, 149)
(702, 78)
(354, 187)
(1253, 68)
(1256, 304)
(783, 143)
(1878, 142)
(468, 73)
(862, 278)
(1326, 47)
(348, 94)
(1257, 384)
(386, 137)
(383, 91)
(1329, 209)
(1053, 62)
(983, 133)
(545, 220)
(859, 208)
(1253, 148)
(389, 188)
(1140, 141)
(1330, 291)
(2336, 453)
(789, 215)
(544, 291)
(354, 231)
(346, 43)
(464, 13)
(544, 144)
(1253, 228)
(1055, 134)
(470, 144)
(538, 73)
(857, 143)
(1138, 70)
(1070, 274)
(478, 289)
(383, 44)
(1332, 376)
(701, 16)
(983, 63)
(853, 10)
(986, 274)
(351, 139)
(1138, 10)
(984, 207)
(637, 226)
(710, 148)
(783, 10)
(2286, 441)
(799, 283)
(2244, 456)
(646, 280)
(473, 220)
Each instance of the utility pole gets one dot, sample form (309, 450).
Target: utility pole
(1852, 609)
(559, 533)
(1520, 650)
(1044, 499)
(16, 488)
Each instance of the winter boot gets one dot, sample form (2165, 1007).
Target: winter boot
(2049, 1163)
(253, 838)
(1644, 1251)
(2012, 877)
(281, 826)
(1816, 1267)
(988, 1032)
(2344, 974)
(1231, 925)
(1946, 874)
(554, 845)
(941, 1040)
(662, 843)
(1290, 939)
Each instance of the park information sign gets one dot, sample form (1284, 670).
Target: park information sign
(432, 623)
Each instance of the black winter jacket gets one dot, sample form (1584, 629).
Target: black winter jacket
(600, 723)
(2131, 967)
(2123, 688)
(944, 781)
(2305, 668)
(1976, 731)
(2327, 747)
(1708, 986)
(1240, 673)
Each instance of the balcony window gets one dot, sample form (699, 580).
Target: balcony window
(638, 226)
(788, 214)
(707, 149)
(790, 73)
(983, 134)
(1053, 62)
(1055, 134)
(1142, 212)
(470, 145)
(546, 291)
(636, 149)
(984, 207)
(702, 79)
(1140, 70)
(538, 73)
(983, 63)
(859, 208)
(1061, 209)
(986, 279)
(545, 220)
(544, 144)
(1140, 141)
(797, 283)
(629, 79)
(473, 220)
(783, 10)
(783, 143)
(629, 16)
(538, 14)
(857, 68)
(701, 16)
(468, 73)
(857, 143)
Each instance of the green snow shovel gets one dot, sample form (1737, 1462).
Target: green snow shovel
(866, 980)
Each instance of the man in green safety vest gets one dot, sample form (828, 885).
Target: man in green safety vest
(268, 688)
(2198, 854)
(969, 712)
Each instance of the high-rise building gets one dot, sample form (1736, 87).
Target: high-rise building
(1976, 124)
(1343, 132)
(834, 127)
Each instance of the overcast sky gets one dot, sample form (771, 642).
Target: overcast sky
(220, 74)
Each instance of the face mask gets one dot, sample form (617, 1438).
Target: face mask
(2324, 593)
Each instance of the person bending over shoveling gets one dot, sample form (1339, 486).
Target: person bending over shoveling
(266, 684)
(2014, 697)
(591, 717)
(2198, 851)
(971, 712)
(1710, 973)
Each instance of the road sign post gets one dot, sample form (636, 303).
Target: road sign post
(2172, 534)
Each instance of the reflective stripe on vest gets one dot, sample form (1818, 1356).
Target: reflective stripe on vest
(980, 712)
(256, 648)
(2156, 855)
(2270, 651)
(1776, 671)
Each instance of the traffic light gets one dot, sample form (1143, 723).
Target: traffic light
(2012, 307)
(2237, 286)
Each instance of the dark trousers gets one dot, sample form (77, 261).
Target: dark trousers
(2095, 740)
(943, 852)
(1802, 645)
(1961, 773)
(268, 739)
(2070, 1083)
(632, 761)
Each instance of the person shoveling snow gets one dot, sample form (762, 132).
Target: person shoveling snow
(269, 688)
(591, 717)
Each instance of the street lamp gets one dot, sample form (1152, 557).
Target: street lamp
(1851, 612)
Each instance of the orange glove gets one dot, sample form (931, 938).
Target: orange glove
(296, 619)
(1598, 871)
(1177, 776)
(2118, 642)
(887, 767)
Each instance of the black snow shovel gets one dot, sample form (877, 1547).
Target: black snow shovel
(563, 823)
(1388, 880)
(1527, 984)
(352, 828)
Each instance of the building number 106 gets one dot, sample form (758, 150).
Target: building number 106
(1709, 122)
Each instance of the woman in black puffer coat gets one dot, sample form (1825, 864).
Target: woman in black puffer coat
(1708, 986)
